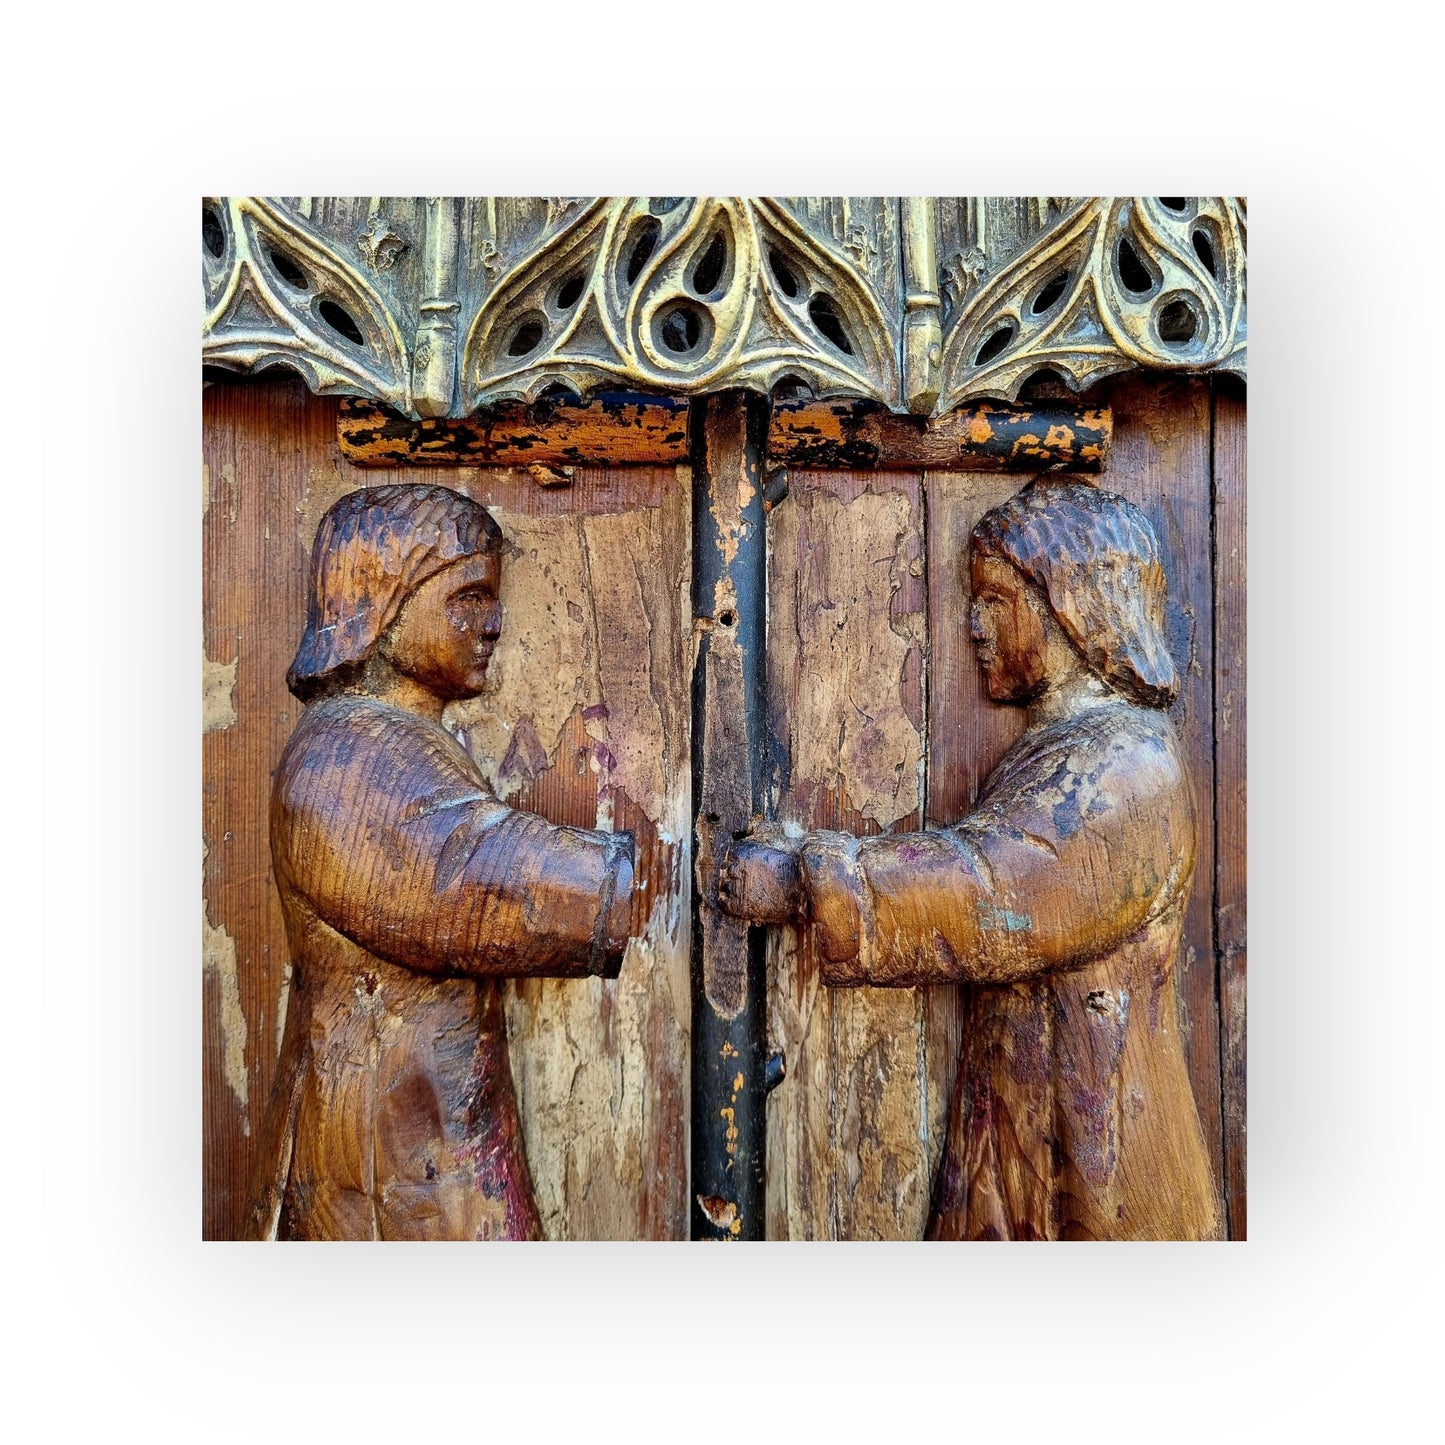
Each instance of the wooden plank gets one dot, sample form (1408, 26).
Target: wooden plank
(605, 431)
(1161, 461)
(616, 430)
(588, 723)
(260, 444)
(1230, 902)
(967, 733)
(989, 437)
(847, 1156)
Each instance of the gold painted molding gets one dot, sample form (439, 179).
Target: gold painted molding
(439, 306)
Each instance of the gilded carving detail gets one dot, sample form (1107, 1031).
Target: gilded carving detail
(277, 293)
(1112, 284)
(438, 306)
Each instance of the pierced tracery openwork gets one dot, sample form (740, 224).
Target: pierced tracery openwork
(438, 306)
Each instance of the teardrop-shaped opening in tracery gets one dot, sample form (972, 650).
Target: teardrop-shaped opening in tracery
(995, 344)
(1204, 249)
(1133, 274)
(788, 282)
(641, 244)
(570, 291)
(824, 312)
(213, 233)
(1049, 293)
(527, 337)
(287, 269)
(708, 273)
(340, 320)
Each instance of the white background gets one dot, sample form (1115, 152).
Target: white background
(123, 1325)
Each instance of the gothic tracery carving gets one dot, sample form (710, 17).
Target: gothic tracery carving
(438, 307)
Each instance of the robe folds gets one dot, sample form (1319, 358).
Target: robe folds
(1059, 904)
(408, 890)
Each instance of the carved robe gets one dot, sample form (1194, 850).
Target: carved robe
(408, 889)
(1059, 903)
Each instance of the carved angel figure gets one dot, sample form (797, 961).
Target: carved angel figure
(408, 889)
(1058, 901)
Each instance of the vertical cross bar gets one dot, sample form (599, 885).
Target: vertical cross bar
(728, 434)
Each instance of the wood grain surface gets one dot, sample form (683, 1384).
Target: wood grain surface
(591, 726)
(601, 1071)
(849, 1147)
(1231, 870)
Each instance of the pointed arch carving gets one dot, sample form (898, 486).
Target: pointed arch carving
(437, 307)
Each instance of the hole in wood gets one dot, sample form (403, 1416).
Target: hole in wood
(570, 291)
(1050, 293)
(782, 274)
(1179, 204)
(680, 329)
(526, 338)
(644, 243)
(825, 317)
(995, 344)
(727, 617)
(287, 269)
(341, 321)
(1132, 272)
(213, 233)
(1177, 323)
(710, 269)
(1204, 250)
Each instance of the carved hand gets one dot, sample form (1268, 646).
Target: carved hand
(759, 878)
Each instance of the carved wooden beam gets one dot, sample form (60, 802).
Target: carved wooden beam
(633, 430)
(438, 307)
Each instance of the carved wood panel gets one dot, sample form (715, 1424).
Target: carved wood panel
(436, 306)
(856, 1131)
(592, 730)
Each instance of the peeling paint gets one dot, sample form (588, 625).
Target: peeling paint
(283, 1003)
(227, 487)
(218, 688)
(218, 957)
(1002, 920)
(546, 661)
(325, 485)
(849, 721)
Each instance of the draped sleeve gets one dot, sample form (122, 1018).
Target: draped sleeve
(1083, 834)
(386, 829)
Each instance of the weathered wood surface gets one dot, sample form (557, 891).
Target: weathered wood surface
(973, 438)
(618, 430)
(590, 726)
(1059, 900)
(410, 891)
(274, 466)
(850, 1149)
(1231, 871)
(818, 1156)
(1162, 462)
(605, 431)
